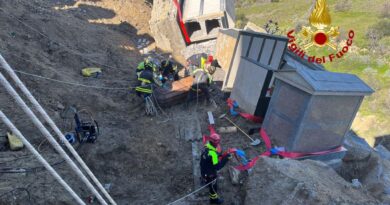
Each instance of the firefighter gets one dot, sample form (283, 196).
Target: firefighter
(147, 63)
(145, 82)
(202, 81)
(210, 164)
(168, 71)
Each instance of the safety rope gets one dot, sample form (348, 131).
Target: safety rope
(61, 72)
(192, 193)
(73, 83)
(149, 107)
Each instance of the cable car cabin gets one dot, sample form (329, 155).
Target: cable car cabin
(249, 60)
(312, 110)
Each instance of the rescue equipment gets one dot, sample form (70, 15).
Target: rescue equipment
(87, 130)
(91, 71)
(15, 143)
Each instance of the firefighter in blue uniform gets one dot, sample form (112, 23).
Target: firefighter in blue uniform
(145, 82)
(210, 164)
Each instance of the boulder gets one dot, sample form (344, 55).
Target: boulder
(285, 181)
(165, 28)
(358, 148)
(370, 166)
(377, 178)
(382, 152)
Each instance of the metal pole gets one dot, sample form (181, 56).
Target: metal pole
(48, 136)
(44, 114)
(40, 158)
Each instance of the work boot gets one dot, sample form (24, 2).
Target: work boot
(216, 201)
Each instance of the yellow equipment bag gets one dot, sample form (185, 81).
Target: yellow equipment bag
(14, 142)
(88, 72)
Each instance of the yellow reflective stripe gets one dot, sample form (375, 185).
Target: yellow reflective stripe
(144, 90)
(214, 157)
(202, 62)
(210, 147)
(144, 80)
(148, 92)
(213, 196)
(141, 66)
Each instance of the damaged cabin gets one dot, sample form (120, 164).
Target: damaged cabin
(203, 18)
(312, 110)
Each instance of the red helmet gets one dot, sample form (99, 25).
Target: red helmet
(215, 139)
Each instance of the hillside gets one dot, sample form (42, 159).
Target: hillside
(369, 57)
(144, 159)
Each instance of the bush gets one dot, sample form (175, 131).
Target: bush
(241, 20)
(382, 27)
(385, 12)
(343, 5)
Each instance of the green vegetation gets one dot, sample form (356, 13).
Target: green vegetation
(369, 57)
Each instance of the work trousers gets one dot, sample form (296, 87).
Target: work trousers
(196, 90)
(213, 187)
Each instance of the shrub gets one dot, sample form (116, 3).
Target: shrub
(382, 27)
(241, 20)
